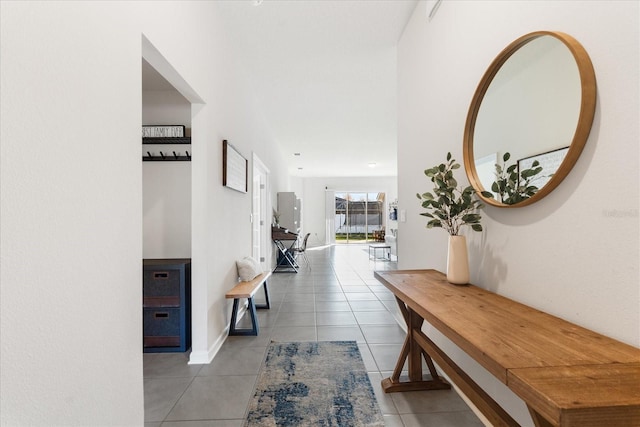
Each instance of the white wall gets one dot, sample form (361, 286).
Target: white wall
(313, 193)
(71, 192)
(573, 254)
(166, 186)
(71, 215)
(166, 209)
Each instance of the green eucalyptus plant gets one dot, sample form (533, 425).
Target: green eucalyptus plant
(512, 187)
(448, 206)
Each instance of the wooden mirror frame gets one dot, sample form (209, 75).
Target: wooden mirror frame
(585, 118)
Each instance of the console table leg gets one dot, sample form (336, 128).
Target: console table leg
(412, 354)
(430, 365)
(485, 404)
(415, 352)
(404, 353)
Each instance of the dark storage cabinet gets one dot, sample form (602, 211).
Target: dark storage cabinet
(166, 290)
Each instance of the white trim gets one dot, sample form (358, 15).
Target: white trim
(205, 357)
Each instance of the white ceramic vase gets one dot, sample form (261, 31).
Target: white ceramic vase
(457, 261)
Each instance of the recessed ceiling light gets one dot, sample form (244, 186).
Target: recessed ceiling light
(372, 164)
(257, 2)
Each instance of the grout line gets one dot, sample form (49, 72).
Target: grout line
(351, 271)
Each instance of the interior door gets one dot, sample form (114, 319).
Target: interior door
(256, 217)
(260, 224)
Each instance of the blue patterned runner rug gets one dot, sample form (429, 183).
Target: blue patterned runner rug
(314, 384)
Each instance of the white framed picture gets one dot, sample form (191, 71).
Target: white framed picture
(234, 168)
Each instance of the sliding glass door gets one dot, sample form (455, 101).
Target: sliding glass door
(359, 217)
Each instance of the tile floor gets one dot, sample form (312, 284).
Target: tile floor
(338, 298)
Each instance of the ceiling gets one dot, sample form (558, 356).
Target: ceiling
(324, 74)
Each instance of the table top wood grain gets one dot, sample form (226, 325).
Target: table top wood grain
(560, 366)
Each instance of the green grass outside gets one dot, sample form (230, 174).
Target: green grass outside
(353, 236)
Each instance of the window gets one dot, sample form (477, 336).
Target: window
(359, 217)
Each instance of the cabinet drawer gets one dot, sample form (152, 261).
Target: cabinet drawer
(161, 282)
(166, 290)
(156, 342)
(161, 322)
(169, 301)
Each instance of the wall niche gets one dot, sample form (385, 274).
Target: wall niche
(166, 185)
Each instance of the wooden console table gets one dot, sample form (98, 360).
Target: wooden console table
(567, 375)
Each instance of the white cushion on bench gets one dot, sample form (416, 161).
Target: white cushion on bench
(248, 268)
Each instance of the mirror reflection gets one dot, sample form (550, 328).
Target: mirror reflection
(524, 119)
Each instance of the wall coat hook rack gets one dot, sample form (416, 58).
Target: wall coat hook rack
(165, 156)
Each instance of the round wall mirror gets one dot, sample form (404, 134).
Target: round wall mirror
(529, 119)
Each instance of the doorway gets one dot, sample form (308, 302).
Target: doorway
(169, 99)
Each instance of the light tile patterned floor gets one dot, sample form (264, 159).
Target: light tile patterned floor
(336, 299)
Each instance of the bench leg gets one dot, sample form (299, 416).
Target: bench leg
(234, 317)
(267, 304)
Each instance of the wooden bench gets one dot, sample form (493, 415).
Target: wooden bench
(567, 375)
(248, 290)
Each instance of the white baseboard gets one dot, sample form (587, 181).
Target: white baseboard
(205, 357)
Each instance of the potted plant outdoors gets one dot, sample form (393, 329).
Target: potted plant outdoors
(451, 208)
